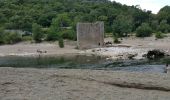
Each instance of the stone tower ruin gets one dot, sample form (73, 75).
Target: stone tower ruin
(90, 35)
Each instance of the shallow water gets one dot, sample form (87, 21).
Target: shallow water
(84, 62)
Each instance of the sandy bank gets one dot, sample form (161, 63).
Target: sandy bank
(62, 84)
(30, 49)
(130, 46)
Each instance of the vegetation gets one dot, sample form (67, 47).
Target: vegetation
(59, 17)
(10, 38)
(37, 32)
(61, 43)
(159, 35)
(122, 26)
(116, 40)
(144, 30)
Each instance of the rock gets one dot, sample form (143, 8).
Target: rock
(131, 56)
(153, 54)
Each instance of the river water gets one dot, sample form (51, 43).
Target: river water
(84, 62)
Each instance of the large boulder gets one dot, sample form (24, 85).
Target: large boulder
(154, 54)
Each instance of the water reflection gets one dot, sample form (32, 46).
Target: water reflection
(84, 62)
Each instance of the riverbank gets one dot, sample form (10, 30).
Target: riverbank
(130, 47)
(35, 49)
(69, 84)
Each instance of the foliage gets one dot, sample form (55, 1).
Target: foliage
(1, 35)
(37, 32)
(159, 35)
(155, 25)
(61, 43)
(21, 14)
(164, 14)
(27, 38)
(60, 23)
(122, 26)
(69, 34)
(58, 14)
(164, 27)
(144, 30)
(11, 37)
(116, 40)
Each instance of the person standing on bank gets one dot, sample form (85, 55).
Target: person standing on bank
(167, 68)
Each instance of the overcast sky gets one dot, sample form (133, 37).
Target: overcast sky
(153, 5)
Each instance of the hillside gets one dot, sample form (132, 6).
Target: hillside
(20, 14)
(54, 14)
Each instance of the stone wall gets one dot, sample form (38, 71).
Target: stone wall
(90, 35)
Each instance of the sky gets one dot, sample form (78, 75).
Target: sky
(153, 5)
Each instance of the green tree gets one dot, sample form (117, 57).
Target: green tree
(58, 24)
(144, 30)
(155, 25)
(164, 27)
(37, 32)
(164, 14)
(122, 26)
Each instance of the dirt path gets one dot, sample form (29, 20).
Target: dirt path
(50, 84)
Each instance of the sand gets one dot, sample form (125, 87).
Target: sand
(129, 46)
(30, 49)
(67, 84)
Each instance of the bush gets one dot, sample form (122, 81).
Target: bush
(37, 32)
(1, 35)
(144, 30)
(116, 40)
(11, 38)
(61, 43)
(159, 35)
(27, 38)
(164, 26)
(69, 34)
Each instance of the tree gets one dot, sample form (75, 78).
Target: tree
(122, 26)
(164, 27)
(144, 30)
(37, 32)
(155, 25)
(59, 23)
(164, 14)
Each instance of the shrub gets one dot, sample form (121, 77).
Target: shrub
(27, 38)
(37, 32)
(11, 38)
(1, 35)
(116, 40)
(61, 43)
(159, 35)
(69, 34)
(144, 30)
(164, 26)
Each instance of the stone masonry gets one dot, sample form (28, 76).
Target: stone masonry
(90, 35)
